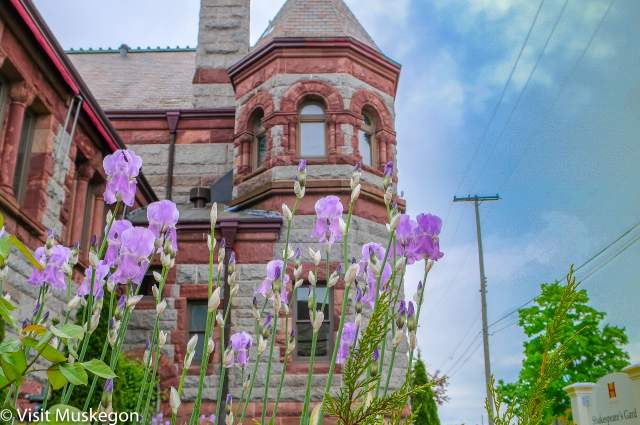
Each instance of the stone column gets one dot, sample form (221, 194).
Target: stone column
(97, 221)
(331, 128)
(83, 175)
(382, 149)
(581, 396)
(21, 96)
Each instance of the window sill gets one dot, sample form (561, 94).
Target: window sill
(9, 204)
(300, 367)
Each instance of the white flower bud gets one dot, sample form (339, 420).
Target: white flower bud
(355, 193)
(213, 214)
(165, 260)
(351, 274)
(297, 272)
(262, 344)
(416, 298)
(211, 243)
(157, 276)
(109, 217)
(316, 256)
(298, 189)
(93, 259)
(132, 301)
(174, 401)
(394, 222)
(342, 225)
(214, 300)
(228, 357)
(162, 338)
(333, 279)
(191, 345)
(211, 346)
(388, 196)
(219, 319)
(146, 356)
(154, 291)
(317, 322)
(412, 341)
(233, 291)
(161, 307)
(111, 285)
(400, 263)
(358, 320)
(298, 283)
(74, 302)
(95, 321)
(312, 278)
(188, 358)
(286, 212)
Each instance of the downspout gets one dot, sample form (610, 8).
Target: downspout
(172, 121)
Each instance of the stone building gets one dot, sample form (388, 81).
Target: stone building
(229, 122)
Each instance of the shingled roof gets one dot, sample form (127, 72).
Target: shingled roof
(315, 19)
(139, 79)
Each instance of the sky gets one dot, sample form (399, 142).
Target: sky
(561, 149)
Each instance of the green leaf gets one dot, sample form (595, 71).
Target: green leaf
(34, 328)
(61, 414)
(74, 373)
(45, 350)
(9, 346)
(25, 251)
(68, 331)
(13, 364)
(56, 378)
(5, 246)
(99, 368)
(5, 313)
(1, 221)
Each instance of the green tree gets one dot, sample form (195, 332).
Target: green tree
(423, 404)
(592, 347)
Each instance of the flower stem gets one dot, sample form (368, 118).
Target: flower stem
(223, 369)
(277, 315)
(253, 380)
(284, 366)
(409, 376)
(210, 323)
(343, 313)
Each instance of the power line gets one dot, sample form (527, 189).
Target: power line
(581, 266)
(524, 87)
(497, 105)
(562, 86)
(455, 350)
(466, 360)
(609, 260)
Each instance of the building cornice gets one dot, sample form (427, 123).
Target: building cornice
(145, 114)
(310, 47)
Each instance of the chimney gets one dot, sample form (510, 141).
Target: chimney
(223, 39)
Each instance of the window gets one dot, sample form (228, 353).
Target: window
(366, 140)
(89, 204)
(260, 141)
(24, 156)
(148, 281)
(312, 130)
(197, 313)
(304, 331)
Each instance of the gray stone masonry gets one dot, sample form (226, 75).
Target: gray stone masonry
(223, 34)
(195, 165)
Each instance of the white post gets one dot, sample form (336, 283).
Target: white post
(581, 395)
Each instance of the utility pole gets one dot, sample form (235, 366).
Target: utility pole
(483, 292)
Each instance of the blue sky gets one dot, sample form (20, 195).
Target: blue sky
(566, 165)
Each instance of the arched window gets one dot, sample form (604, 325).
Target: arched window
(312, 130)
(366, 140)
(259, 141)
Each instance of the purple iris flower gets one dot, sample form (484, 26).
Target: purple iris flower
(108, 386)
(122, 167)
(137, 246)
(268, 321)
(328, 212)
(388, 169)
(402, 309)
(407, 239)
(410, 309)
(53, 267)
(163, 217)
(240, 344)
(369, 250)
(98, 283)
(115, 239)
(429, 228)
(274, 272)
(376, 355)
(346, 341)
(302, 166)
